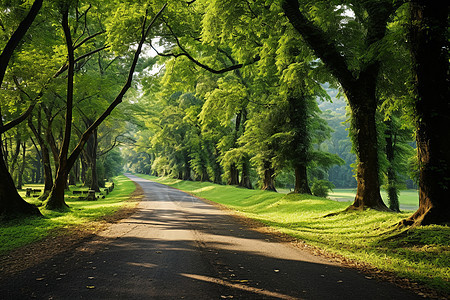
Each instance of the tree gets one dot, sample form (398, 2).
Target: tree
(357, 77)
(430, 55)
(66, 161)
(11, 204)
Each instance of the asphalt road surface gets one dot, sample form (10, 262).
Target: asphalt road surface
(178, 247)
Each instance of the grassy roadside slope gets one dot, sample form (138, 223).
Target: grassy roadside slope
(18, 233)
(421, 254)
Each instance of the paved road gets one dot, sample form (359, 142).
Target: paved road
(178, 247)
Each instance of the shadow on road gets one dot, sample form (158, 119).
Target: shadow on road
(178, 247)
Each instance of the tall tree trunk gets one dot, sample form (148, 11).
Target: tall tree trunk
(234, 171)
(301, 180)
(430, 55)
(245, 178)
(367, 176)
(56, 196)
(268, 183)
(298, 116)
(392, 183)
(234, 175)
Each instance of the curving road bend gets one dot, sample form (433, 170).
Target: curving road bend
(178, 247)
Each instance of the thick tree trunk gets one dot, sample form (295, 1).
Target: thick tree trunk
(299, 157)
(367, 176)
(301, 180)
(55, 199)
(234, 175)
(205, 175)
(268, 183)
(245, 178)
(11, 204)
(430, 55)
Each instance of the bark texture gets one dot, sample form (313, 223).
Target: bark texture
(11, 203)
(430, 55)
(268, 183)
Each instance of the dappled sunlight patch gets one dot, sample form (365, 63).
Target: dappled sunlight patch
(240, 286)
(203, 189)
(142, 264)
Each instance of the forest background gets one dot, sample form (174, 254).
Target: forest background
(233, 92)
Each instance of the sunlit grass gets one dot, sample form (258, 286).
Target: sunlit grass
(407, 198)
(17, 233)
(421, 254)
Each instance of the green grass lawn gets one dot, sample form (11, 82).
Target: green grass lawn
(407, 198)
(17, 233)
(421, 254)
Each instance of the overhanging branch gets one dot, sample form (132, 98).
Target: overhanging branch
(195, 61)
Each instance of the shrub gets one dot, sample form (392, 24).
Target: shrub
(321, 188)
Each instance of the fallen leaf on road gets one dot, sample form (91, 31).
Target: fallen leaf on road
(90, 286)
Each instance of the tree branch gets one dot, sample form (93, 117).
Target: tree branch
(87, 39)
(201, 65)
(144, 32)
(66, 66)
(18, 120)
(323, 47)
(17, 36)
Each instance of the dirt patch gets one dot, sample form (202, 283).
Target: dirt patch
(63, 240)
